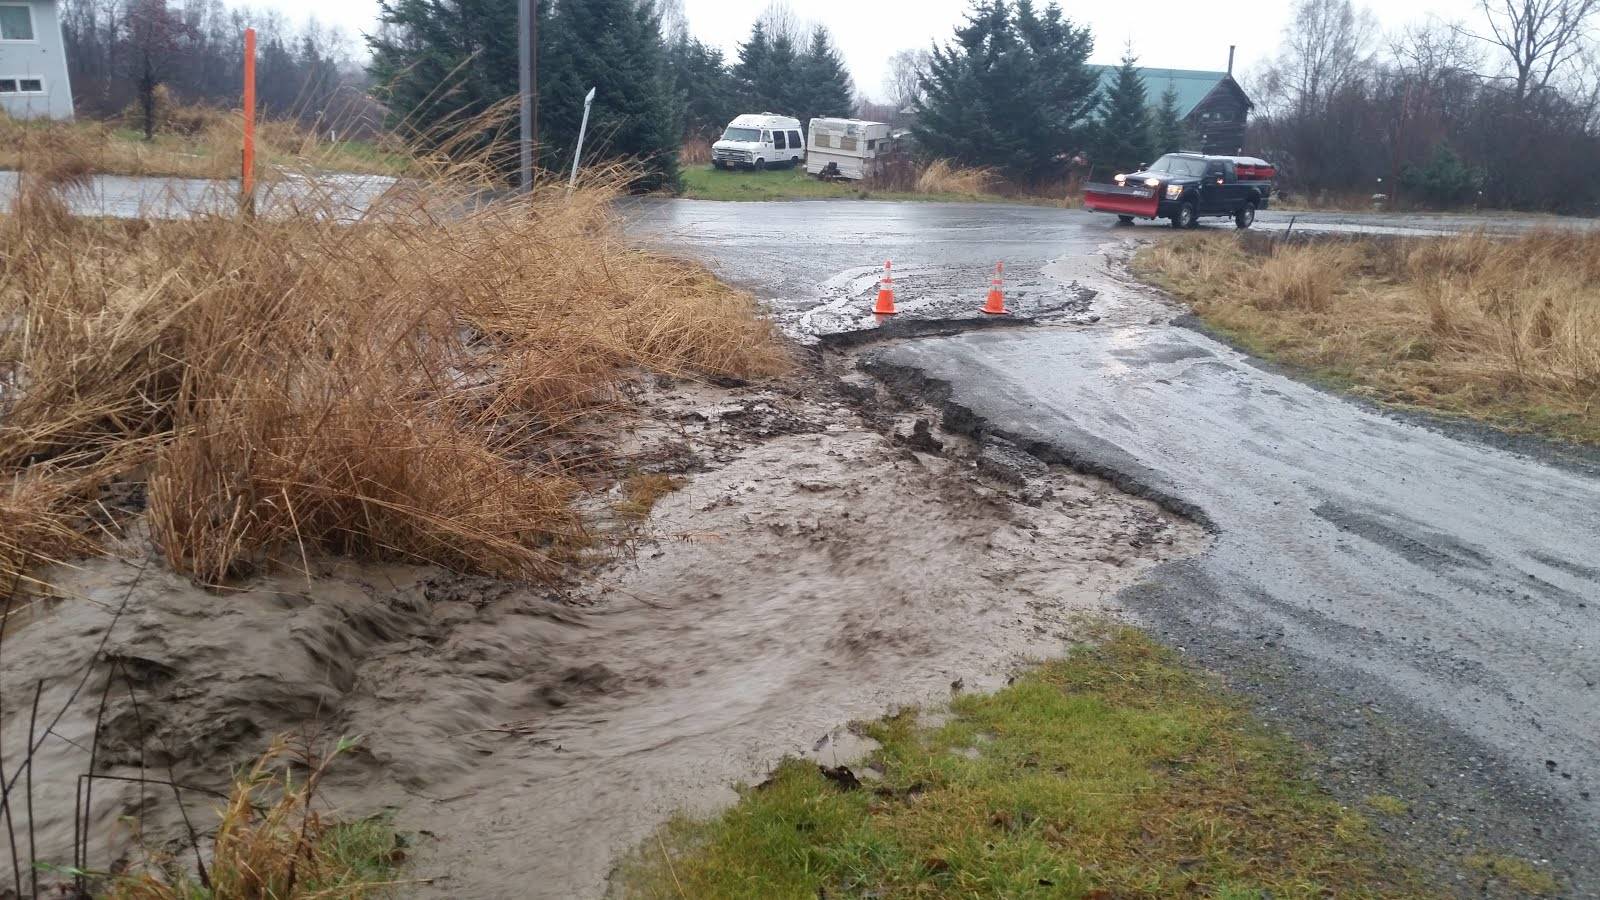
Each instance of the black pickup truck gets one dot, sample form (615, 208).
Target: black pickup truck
(1183, 187)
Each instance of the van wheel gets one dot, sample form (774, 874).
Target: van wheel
(794, 161)
(1246, 216)
(760, 164)
(718, 164)
(1185, 217)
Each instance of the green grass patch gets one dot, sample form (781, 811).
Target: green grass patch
(1502, 872)
(708, 183)
(1112, 773)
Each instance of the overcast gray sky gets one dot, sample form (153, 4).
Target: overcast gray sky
(1178, 34)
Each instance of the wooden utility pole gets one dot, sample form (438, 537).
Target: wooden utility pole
(528, 82)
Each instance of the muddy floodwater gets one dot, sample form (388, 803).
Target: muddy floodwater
(811, 571)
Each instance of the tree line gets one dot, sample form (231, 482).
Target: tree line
(119, 51)
(1501, 110)
(441, 65)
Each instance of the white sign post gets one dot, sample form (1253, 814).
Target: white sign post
(577, 155)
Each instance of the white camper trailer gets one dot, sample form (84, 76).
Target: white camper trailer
(846, 148)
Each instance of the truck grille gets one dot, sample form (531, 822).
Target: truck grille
(731, 156)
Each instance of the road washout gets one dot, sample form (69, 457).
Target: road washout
(826, 559)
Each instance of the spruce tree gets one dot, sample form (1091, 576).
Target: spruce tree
(1166, 127)
(780, 88)
(827, 90)
(615, 47)
(703, 86)
(1011, 90)
(442, 63)
(1124, 127)
(751, 71)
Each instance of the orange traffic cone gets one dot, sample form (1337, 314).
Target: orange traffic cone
(996, 305)
(885, 305)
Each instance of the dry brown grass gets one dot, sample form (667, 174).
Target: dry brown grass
(273, 843)
(392, 387)
(943, 177)
(193, 142)
(1502, 329)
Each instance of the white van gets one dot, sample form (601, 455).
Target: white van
(847, 148)
(759, 141)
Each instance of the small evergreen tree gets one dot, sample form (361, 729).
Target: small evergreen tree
(1124, 127)
(1166, 128)
(1011, 90)
(826, 87)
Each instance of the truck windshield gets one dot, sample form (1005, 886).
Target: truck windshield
(742, 134)
(1179, 165)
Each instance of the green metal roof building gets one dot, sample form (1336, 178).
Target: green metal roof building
(1212, 104)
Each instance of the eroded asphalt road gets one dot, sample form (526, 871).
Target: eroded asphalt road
(1422, 608)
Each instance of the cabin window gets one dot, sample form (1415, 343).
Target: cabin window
(16, 23)
(780, 141)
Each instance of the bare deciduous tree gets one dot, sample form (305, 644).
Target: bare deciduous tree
(904, 81)
(1540, 37)
(1325, 49)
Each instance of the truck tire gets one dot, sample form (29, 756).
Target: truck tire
(1246, 216)
(794, 161)
(718, 164)
(1185, 217)
(760, 165)
(1124, 220)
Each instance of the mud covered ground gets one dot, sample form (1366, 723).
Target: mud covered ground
(827, 557)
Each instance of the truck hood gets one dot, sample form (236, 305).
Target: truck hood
(1164, 177)
(737, 145)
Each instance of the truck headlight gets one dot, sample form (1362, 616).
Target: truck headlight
(1174, 191)
(1152, 182)
(1121, 179)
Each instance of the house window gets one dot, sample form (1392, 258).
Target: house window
(16, 23)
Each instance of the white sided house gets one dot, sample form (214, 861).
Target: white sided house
(846, 148)
(33, 61)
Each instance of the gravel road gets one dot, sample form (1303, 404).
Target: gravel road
(1423, 609)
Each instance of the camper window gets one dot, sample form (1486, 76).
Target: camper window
(848, 143)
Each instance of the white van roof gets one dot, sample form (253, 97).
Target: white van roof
(765, 120)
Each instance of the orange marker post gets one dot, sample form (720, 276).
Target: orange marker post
(247, 180)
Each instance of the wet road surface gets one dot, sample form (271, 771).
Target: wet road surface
(1424, 609)
(131, 197)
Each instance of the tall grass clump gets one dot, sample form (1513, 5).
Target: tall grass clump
(944, 177)
(386, 382)
(1502, 328)
(272, 842)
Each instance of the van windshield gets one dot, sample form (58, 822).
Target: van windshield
(1179, 165)
(742, 134)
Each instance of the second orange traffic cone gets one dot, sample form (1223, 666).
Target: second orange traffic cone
(996, 304)
(885, 304)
